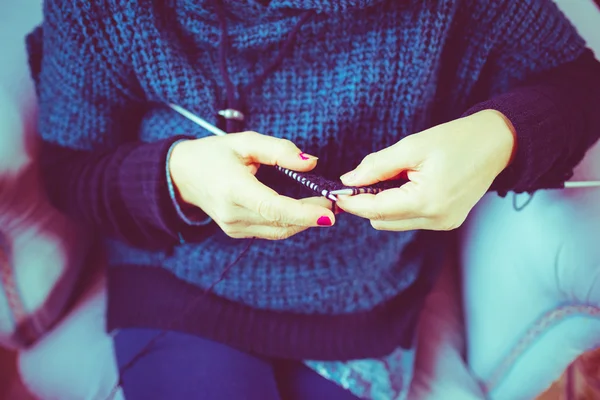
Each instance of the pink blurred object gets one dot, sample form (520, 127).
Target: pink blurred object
(42, 251)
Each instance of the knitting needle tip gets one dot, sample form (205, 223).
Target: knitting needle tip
(582, 184)
(342, 192)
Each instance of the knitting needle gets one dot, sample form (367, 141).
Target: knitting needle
(218, 132)
(568, 185)
(341, 192)
(582, 184)
(197, 120)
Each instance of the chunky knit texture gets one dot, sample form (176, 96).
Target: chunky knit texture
(359, 76)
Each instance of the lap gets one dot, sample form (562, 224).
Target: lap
(181, 366)
(78, 360)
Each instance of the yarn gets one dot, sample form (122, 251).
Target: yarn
(323, 186)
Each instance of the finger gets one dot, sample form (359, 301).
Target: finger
(238, 218)
(273, 233)
(392, 204)
(322, 201)
(258, 198)
(318, 201)
(385, 164)
(403, 225)
(421, 223)
(256, 148)
(235, 217)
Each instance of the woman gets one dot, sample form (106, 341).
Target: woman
(458, 96)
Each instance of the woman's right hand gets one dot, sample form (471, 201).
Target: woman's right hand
(217, 174)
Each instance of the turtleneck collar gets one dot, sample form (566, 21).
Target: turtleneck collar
(245, 9)
(326, 6)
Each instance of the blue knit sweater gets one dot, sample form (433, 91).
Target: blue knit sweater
(358, 76)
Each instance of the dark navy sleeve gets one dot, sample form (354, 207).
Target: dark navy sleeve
(93, 165)
(539, 73)
(556, 118)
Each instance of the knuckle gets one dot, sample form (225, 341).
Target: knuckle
(284, 149)
(433, 209)
(280, 234)
(232, 195)
(376, 215)
(228, 218)
(448, 224)
(244, 138)
(229, 231)
(224, 216)
(247, 134)
(236, 235)
(369, 161)
(266, 210)
(288, 145)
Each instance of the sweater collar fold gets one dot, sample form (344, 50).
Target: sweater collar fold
(325, 6)
(259, 9)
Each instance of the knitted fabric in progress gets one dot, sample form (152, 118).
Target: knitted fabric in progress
(322, 186)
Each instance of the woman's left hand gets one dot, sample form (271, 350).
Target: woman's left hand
(449, 167)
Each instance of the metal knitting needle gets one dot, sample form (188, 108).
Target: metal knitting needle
(218, 132)
(582, 184)
(568, 185)
(341, 192)
(197, 120)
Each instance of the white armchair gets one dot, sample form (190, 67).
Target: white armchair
(531, 287)
(41, 251)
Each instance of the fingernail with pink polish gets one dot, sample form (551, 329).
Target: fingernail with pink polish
(324, 221)
(306, 157)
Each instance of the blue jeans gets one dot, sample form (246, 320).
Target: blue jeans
(181, 367)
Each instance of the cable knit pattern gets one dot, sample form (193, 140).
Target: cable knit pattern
(361, 75)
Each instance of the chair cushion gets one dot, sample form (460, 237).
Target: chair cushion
(41, 251)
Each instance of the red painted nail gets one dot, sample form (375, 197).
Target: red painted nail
(324, 221)
(306, 157)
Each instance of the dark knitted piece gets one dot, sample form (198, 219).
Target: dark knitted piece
(323, 186)
(361, 75)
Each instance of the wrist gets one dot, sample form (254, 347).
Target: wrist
(176, 169)
(503, 131)
(187, 212)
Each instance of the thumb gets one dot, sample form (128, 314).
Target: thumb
(383, 165)
(262, 149)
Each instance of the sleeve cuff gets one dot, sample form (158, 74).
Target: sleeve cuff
(556, 121)
(533, 115)
(144, 189)
(190, 215)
